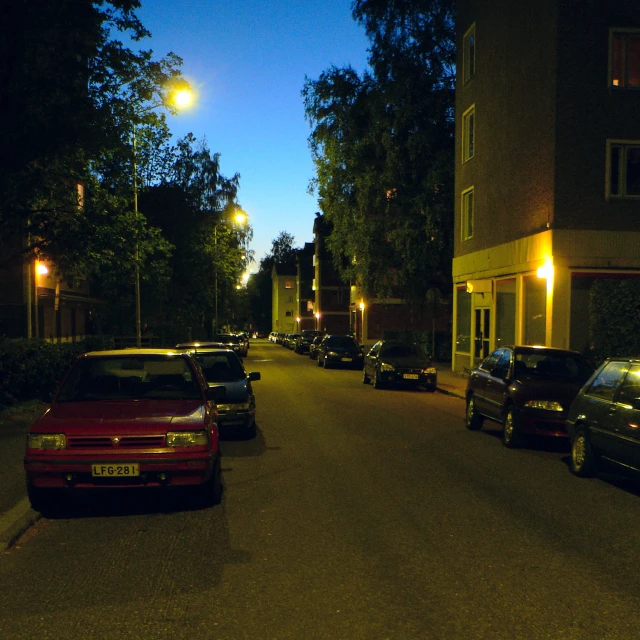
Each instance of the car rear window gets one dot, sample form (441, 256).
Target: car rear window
(553, 365)
(221, 367)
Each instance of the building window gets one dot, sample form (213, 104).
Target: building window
(505, 312)
(535, 310)
(288, 284)
(467, 214)
(463, 320)
(624, 68)
(468, 133)
(288, 314)
(623, 169)
(469, 54)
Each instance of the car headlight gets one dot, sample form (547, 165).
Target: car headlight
(46, 441)
(547, 405)
(187, 438)
(385, 366)
(333, 354)
(429, 370)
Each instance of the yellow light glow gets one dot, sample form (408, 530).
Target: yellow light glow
(317, 316)
(546, 270)
(361, 305)
(241, 217)
(41, 268)
(183, 98)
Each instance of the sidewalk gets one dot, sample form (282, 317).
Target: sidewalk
(451, 383)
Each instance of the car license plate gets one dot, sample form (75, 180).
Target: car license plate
(410, 376)
(347, 359)
(115, 470)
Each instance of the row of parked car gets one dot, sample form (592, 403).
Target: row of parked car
(142, 418)
(388, 363)
(541, 391)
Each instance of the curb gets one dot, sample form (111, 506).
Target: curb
(448, 392)
(15, 522)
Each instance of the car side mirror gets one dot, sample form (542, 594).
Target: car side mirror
(254, 375)
(217, 393)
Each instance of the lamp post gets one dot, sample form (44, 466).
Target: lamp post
(317, 321)
(361, 305)
(180, 99)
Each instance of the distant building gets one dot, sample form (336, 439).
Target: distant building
(305, 295)
(283, 298)
(36, 303)
(547, 168)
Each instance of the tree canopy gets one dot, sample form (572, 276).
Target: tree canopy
(383, 147)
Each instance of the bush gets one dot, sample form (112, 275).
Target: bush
(614, 311)
(33, 369)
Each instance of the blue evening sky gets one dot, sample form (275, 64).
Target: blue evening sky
(248, 60)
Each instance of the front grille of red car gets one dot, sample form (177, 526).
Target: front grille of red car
(124, 442)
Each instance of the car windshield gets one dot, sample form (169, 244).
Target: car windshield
(130, 378)
(552, 365)
(221, 367)
(403, 351)
(341, 341)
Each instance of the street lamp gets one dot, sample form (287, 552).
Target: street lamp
(177, 99)
(317, 321)
(361, 305)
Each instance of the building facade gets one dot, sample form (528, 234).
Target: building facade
(547, 168)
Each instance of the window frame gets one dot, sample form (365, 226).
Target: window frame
(623, 145)
(467, 222)
(468, 133)
(626, 32)
(469, 54)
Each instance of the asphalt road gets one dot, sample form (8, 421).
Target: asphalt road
(355, 513)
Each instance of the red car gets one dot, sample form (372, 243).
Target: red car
(527, 389)
(123, 419)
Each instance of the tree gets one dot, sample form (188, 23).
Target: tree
(70, 96)
(383, 149)
(193, 206)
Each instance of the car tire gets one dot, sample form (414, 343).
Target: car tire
(511, 436)
(41, 501)
(210, 492)
(473, 419)
(583, 461)
(365, 377)
(251, 430)
(376, 382)
(326, 364)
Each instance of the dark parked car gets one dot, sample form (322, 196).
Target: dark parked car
(224, 367)
(604, 419)
(291, 340)
(314, 346)
(304, 340)
(339, 351)
(527, 389)
(233, 342)
(395, 363)
(126, 418)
